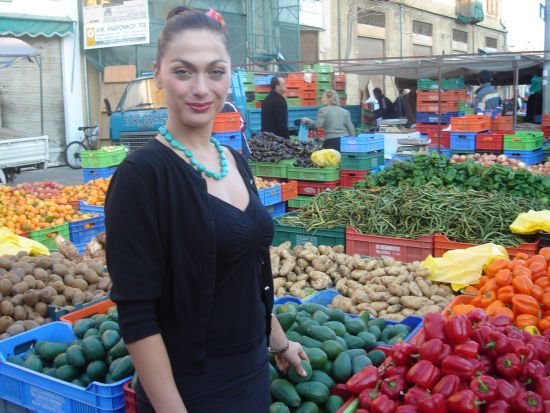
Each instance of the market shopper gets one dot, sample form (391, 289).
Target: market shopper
(188, 245)
(386, 109)
(275, 109)
(486, 96)
(335, 121)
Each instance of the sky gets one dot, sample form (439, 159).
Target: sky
(525, 27)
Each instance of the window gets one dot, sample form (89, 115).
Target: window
(460, 36)
(491, 42)
(422, 28)
(493, 7)
(372, 18)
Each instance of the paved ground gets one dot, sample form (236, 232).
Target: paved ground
(61, 174)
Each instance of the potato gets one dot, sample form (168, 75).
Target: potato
(371, 265)
(395, 308)
(30, 324)
(358, 274)
(275, 260)
(47, 294)
(393, 300)
(397, 290)
(45, 263)
(287, 266)
(39, 285)
(395, 317)
(104, 283)
(379, 296)
(41, 308)
(321, 283)
(414, 289)
(5, 263)
(321, 263)
(302, 277)
(5, 323)
(19, 313)
(80, 284)
(31, 297)
(338, 249)
(78, 297)
(17, 299)
(15, 329)
(6, 308)
(379, 305)
(29, 279)
(60, 269)
(281, 292)
(377, 273)
(411, 301)
(19, 288)
(424, 286)
(439, 299)
(407, 312)
(359, 296)
(422, 311)
(372, 311)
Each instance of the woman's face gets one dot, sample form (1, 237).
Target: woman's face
(324, 99)
(194, 74)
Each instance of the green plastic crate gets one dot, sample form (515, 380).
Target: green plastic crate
(319, 68)
(270, 169)
(47, 236)
(461, 152)
(293, 102)
(362, 161)
(453, 83)
(247, 77)
(249, 87)
(324, 77)
(524, 141)
(103, 158)
(300, 201)
(328, 173)
(260, 95)
(297, 235)
(322, 86)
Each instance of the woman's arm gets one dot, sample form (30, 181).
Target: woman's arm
(349, 124)
(294, 353)
(155, 374)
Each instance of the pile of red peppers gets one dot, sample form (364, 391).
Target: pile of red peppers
(460, 364)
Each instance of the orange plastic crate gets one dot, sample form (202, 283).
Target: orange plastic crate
(437, 107)
(294, 84)
(262, 88)
(289, 190)
(442, 244)
(295, 76)
(308, 94)
(545, 120)
(293, 93)
(99, 308)
(428, 96)
(471, 123)
(309, 102)
(402, 249)
(308, 86)
(339, 77)
(505, 123)
(444, 139)
(227, 122)
(350, 176)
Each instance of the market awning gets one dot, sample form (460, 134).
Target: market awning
(12, 50)
(12, 24)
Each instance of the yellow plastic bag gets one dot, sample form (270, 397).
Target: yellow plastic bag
(326, 157)
(11, 244)
(531, 222)
(463, 267)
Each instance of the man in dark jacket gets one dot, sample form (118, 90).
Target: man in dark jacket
(275, 109)
(387, 110)
(487, 98)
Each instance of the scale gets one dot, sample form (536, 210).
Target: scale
(409, 147)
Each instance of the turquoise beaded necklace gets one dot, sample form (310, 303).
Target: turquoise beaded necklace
(198, 166)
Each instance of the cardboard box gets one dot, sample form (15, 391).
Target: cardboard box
(119, 74)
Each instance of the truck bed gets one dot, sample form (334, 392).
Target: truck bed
(18, 149)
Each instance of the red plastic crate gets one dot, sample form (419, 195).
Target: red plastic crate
(545, 130)
(545, 120)
(471, 123)
(227, 122)
(295, 76)
(308, 94)
(339, 86)
(502, 123)
(430, 127)
(289, 190)
(339, 77)
(294, 83)
(349, 177)
(262, 88)
(402, 249)
(130, 403)
(444, 139)
(313, 188)
(437, 107)
(442, 244)
(309, 85)
(293, 93)
(489, 142)
(308, 102)
(428, 96)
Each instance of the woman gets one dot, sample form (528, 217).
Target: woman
(188, 245)
(335, 121)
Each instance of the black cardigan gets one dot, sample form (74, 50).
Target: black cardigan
(275, 115)
(159, 223)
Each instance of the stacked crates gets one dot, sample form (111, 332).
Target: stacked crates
(323, 75)
(339, 86)
(312, 181)
(464, 131)
(493, 140)
(101, 163)
(525, 147)
(360, 154)
(227, 130)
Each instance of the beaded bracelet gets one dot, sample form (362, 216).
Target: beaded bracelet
(282, 350)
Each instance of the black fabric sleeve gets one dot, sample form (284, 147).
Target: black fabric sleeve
(281, 119)
(134, 249)
(137, 319)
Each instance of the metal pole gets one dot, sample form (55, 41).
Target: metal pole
(546, 70)
(516, 81)
(439, 105)
(400, 30)
(87, 91)
(41, 96)
(338, 31)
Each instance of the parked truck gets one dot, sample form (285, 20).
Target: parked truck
(19, 150)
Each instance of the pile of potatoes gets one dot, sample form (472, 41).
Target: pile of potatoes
(28, 285)
(384, 287)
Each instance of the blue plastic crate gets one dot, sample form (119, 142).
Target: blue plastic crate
(89, 174)
(231, 139)
(366, 142)
(41, 393)
(528, 157)
(277, 210)
(432, 118)
(287, 299)
(84, 207)
(442, 151)
(325, 298)
(271, 196)
(85, 230)
(463, 141)
(262, 80)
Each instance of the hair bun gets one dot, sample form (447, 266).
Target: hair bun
(177, 11)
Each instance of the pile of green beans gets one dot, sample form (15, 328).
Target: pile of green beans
(409, 212)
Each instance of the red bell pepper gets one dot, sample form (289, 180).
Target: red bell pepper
(406, 408)
(543, 387)
(508, 365)
(393, 386)
(402, 353)
(518, 347)
(547, 402)
(500, 320)
(498, 406)
(469, 349)
(415, 394)
(532, 370)
(394, 370)
(464, 401)
(506, 391)
(542, 345)
(447, 385)
(477, 315)
(481, 336)
(459, 366)
(368, 377)
(528, 402)
(434, 324)
(478, 366)
(498, 344)
(434, 351)
(487, 363)
(362, 411)
(367, 396)
(435, 404)
(458, 328)
(484, 387)
(423, 374)
(383, 404)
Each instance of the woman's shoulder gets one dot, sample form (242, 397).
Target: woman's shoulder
(149, 157)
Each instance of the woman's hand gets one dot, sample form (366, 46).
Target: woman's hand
(293, 356)
(306, 120)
